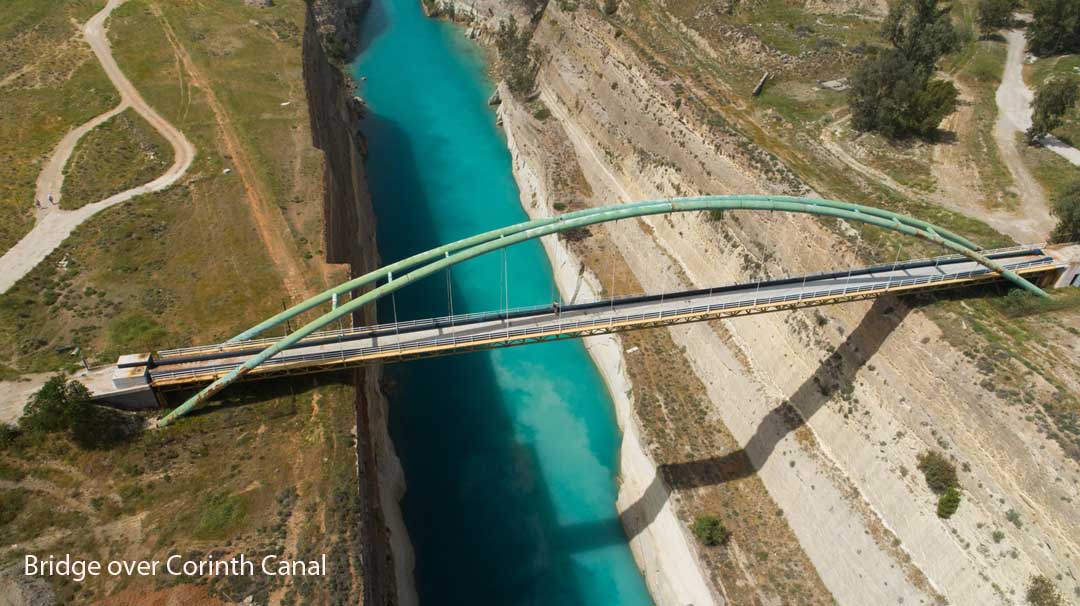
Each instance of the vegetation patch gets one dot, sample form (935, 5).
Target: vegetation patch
(1041, 592)
(1065, 206)
(939, 472)
(216, 515)
(517, 64)
(948, 503)
(50, 82)
(710, 531)
(136, 332)
(893, 92)
(121, 154)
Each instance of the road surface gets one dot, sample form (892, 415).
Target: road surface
(423, 337)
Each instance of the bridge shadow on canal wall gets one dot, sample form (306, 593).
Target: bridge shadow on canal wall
(836, 371)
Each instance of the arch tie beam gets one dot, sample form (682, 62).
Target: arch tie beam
(448, 255)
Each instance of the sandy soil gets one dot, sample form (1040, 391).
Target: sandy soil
(14, 395)
(55, 224)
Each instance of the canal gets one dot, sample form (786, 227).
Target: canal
(511, 456)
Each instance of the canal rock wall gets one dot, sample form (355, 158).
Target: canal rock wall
(663, 551)
(829, 408)
(330, 39)
(483, 17)
(832, 406)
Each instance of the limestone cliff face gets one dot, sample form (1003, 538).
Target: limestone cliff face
(335, 125)
(330, 38)
(810, 399)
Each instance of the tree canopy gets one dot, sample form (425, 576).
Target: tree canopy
(894, 96)
(992, 15)
(1055, 27)
(1066, 207)
(892, 92)
(1052, 100)
(57, 406)
(63, 406)
(921, 30)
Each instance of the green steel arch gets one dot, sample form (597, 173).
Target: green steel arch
(437, 259)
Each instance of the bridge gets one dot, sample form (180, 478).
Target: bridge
(311, 348)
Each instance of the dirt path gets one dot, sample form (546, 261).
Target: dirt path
(953, 171)
(54, 224)
(273, 231)
(1032, 220)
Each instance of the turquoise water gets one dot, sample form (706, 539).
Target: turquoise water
(510, 456)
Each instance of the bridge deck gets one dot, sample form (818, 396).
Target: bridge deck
(440, 336)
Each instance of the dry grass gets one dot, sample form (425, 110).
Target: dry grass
(228, 481)
(268, 468)
(49, 83)
(118, 155)
(186, 265)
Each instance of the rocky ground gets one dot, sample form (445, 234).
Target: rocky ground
(801, 430)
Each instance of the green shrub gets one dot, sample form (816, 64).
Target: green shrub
(994, 14)
(516, 63)
(1041, 592)
(1066, 207)
(57, 406)
(1052, 100)
(1055, 27)
(1014, 516)
(948, 503)
(65, 406)
(998, 536)
(8, 434)
(217, 515)
(939, 472)
(709, 531)
(12, 502)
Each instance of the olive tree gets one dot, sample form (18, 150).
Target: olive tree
(892, 92)
(58, 406)
(992, 15)
(1052, 100)
(1055, 27)
(1066, 207)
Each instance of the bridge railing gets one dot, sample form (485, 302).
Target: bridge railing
(495, 315)
(584, 325)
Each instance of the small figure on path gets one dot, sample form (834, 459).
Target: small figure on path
(51, 200)
(37, 203)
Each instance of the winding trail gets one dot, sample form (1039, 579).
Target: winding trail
(55, 224)
(1013, 98)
